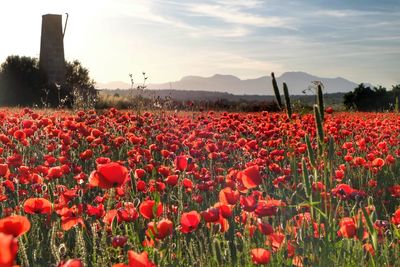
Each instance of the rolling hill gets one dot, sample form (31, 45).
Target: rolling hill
(296, 81)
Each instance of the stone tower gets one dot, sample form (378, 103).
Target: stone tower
(52, 60)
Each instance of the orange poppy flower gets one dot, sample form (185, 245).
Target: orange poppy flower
(9, 249)
(229, 196)
(72, 263)
(163, 229)
(189, 221)
(139, 260)
(396, 217)
(4, 170)
(109, 175)
(181, 163)
(211, 214)
(15, 225)
(260, 256)
(172, 180)
(146, 209)
(347, 227)
(251, 177)
(37, 206)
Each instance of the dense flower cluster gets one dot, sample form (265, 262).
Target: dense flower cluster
(127, 189)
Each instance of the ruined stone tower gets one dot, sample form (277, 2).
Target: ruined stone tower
(52, 60)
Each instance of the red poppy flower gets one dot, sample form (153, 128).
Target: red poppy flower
(189, 221)
(347, 227)
(329, 110)
(172, 179)
(224, 209)
(70, 217)
(55, 172)
(396, 217)
(9, 250)
(140, 173)
(251, 177)
(378, 162)
(164, 171)
(369, 248)
(4, 170)
(229, 196)
(110, 216)
(268, 207)
(181, 163)
(127, 213)
(86, 155)
(71, 263)
(139, 260)
(276, 240)
(343, 191)
(163, 229)
(187, 183)
(248, 203)
(119, 241)
(96, 211)
(109, 175)
(260, 256)
(37, 206)
(210, 215)
(265, 228)
(14, 225)
(148, 211)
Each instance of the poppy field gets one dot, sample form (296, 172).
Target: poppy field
(121, 188)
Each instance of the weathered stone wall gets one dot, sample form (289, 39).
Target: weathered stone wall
(52, 59)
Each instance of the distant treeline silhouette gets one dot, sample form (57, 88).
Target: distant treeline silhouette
(365, 98)
(22, 83)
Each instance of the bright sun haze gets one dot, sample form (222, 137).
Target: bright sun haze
(359, 40)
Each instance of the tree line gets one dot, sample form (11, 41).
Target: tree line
(367, 98)
(23, 83)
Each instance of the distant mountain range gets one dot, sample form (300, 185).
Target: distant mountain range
(297, 82)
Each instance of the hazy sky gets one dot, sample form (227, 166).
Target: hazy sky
(358, 39)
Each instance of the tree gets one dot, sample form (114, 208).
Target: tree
(80, 85)
(369, 99)
(396, 90)
(23, 83)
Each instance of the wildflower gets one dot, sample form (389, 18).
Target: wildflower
(37, 206)
(189, 221)
(9, 249)
(251, 177)
(347, 228)
(260, 256)
(139, 260)
(148, 211)
(109, 175)
(14, 225)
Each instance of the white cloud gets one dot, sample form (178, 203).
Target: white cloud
(241, 3)
(145, 11)
(230, 13)
(336, 13)
(231, 61)
(219, 32)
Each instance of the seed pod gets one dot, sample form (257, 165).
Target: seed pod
(320, 100)
(310, 152)
(306, 179)
(331, 149)
(276, 90)
(318, 122)
(287, 100)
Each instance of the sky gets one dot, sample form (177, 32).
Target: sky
(168, 39)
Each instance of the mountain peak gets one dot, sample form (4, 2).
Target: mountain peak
(297, 81)
(224, 76)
